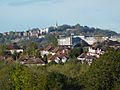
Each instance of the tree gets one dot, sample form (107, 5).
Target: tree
(5, 82)
(52, 39)
(2, 49)
(104, 73)
(75, 52)
(31, 49)
(20, 77)
(45, 59)
(55, 81)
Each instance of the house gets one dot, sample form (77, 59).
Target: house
(6, 33)
(55, 50)
(82, 57)
(89, 59)
(90, 55)
(56, 54)
(105, 44)
(62, 58)
(23, 59)
(30, 61)
(94, 52)
(47, 50)
(59, 54)
(14, 48)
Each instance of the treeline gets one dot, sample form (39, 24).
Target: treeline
(103, 74)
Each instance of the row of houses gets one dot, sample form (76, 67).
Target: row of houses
(59, 54)
(35, 32)
(56, 54)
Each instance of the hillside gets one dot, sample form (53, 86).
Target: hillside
(85, 30)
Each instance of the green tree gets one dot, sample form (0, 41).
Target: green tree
(2, 49)
(55, 81)
(20, 77)
(5, 82)
(52, 39)
(36, 53)
(104, 73)
(45, 59)
(31, 49)
(75, 52)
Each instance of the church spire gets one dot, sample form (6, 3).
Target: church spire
(56, 24)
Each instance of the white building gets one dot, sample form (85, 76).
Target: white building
(90, 55)
(45, 30)
(115, 38)
(16, 50)
(91, 40)
(65, 41)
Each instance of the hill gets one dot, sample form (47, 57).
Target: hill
(84, 30)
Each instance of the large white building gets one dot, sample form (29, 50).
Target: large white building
(69, 41)
(92, 40)
(65, 41)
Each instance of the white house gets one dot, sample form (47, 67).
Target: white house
(16, 50)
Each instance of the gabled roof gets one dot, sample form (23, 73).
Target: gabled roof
(59, 56)
(28, 60)
(52, 57)
(48, 48)
(55, 50)
(24, 58)
(83, 55)
(63, 55)
(34, 61)
(90, 57)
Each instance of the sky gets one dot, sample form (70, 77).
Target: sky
(21, 15)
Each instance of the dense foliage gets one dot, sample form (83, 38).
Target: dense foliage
(103, 74)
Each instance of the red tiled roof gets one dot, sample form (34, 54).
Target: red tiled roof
(53, 57)
(58, 55)
(49, 48)
(55, 50)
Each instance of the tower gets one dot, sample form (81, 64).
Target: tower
(56, 25)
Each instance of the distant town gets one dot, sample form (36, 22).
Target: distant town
(60, 58)
(59, 44)
(56, 44)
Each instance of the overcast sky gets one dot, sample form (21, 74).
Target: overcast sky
(17, 15)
